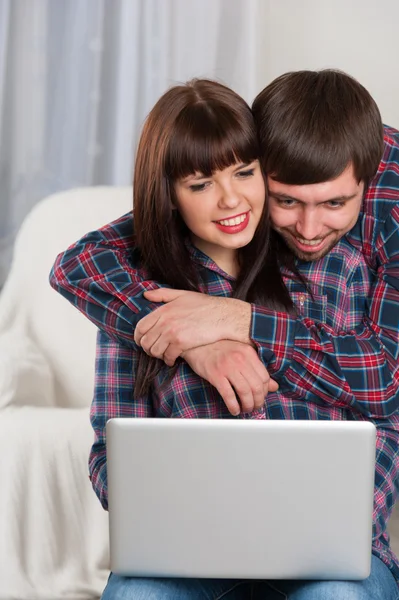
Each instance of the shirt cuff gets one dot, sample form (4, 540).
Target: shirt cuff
(273, 334)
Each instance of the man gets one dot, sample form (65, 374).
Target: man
(333, 185)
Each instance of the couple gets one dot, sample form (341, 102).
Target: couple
(299, 320)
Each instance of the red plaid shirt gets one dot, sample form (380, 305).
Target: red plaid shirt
(337, 360)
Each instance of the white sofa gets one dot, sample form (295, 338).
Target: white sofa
(53, 531)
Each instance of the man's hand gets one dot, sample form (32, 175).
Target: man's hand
(189, 320)
(235, 370)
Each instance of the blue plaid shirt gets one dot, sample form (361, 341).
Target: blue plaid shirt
(339, 359)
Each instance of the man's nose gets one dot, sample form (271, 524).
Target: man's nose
(309, 226)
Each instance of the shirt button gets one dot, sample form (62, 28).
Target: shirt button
(302, 299)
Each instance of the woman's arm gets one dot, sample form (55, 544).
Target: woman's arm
(115, 376)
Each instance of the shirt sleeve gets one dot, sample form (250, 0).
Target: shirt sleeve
(99, 277)
(357, 369)
(115, 376)
(385, 489)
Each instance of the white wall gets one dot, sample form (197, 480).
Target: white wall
(356, 36)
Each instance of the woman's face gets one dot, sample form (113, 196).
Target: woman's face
(222, 211)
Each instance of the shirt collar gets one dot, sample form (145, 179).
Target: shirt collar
(204, 260)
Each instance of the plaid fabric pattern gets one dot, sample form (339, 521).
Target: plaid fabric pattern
(337, 360)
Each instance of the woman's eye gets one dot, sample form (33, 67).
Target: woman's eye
(198, 187)
(246, 173)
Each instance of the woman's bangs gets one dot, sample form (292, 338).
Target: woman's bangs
(206, 146)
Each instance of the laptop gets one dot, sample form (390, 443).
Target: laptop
(242, 499)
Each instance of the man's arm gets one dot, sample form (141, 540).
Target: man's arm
(356, 369)
(116, 366)
(98, 275)
(386, 482)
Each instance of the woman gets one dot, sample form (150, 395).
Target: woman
(201, 224)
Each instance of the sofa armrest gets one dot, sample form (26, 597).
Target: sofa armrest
(53, 530)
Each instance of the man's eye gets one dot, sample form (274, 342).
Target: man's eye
(335, 204)
(286, 202)
(246, 173)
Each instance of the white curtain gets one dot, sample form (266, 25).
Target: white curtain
(77, 78)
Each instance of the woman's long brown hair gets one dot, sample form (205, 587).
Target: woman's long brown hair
(201, 126)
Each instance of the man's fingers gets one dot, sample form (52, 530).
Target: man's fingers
(256, 387)
(270, 385)
(163, 294)
(151, 341)
(229, 398)
(161, 349)
(273, 385)
(259, 396)
(154, 347)
(171, 353)
(144, 325)
(137, 335)
(260, 370)
(243, 390)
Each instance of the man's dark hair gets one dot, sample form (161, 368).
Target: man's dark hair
(312, 124)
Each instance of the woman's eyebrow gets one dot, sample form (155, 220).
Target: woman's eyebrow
(193, 177)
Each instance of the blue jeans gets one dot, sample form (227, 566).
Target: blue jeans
(381, 585)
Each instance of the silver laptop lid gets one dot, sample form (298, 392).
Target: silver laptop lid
(240, 498)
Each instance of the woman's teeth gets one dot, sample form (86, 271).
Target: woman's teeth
(234, 221)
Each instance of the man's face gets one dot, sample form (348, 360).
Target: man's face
(313, 218)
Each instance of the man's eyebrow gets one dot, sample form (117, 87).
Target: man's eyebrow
(342, 198)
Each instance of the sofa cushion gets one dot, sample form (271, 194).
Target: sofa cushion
(25, 375)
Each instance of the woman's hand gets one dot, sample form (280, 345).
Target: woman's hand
(235, 370)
